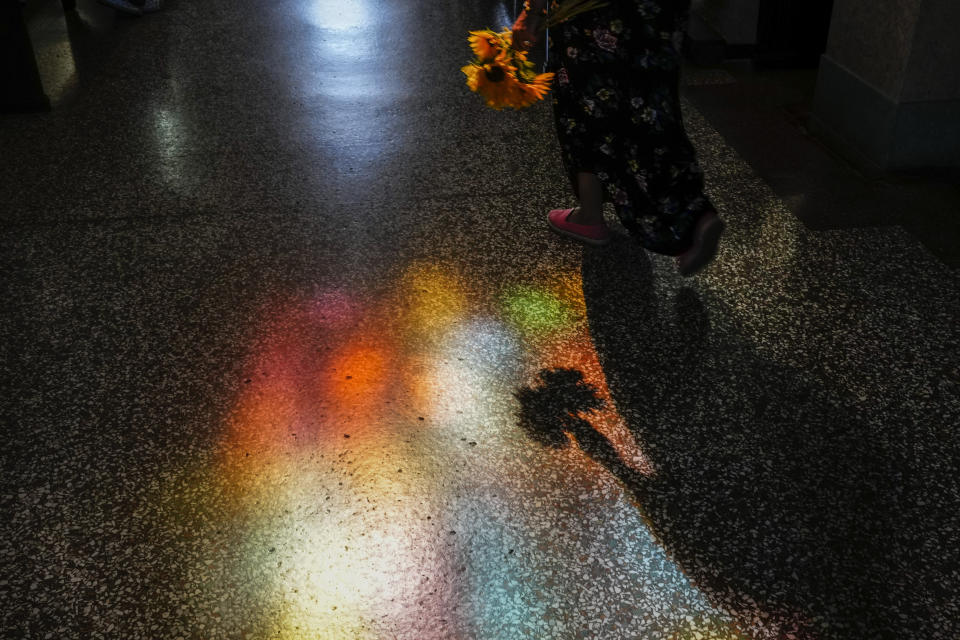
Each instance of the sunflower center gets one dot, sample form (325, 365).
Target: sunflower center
(494, 72)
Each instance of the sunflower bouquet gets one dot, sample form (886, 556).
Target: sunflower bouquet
(501, 74)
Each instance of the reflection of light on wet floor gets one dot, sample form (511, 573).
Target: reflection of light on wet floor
(349, 432)
(54, 55)
(571, 560)
(169, 135)
(536, 312)
(432, 298)
(356, 382)
(504, 16)
(60, 75)
(467, 375)
(341, 79)
(341, 574)
(334, 309)
(341, 15)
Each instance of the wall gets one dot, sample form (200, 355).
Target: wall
(888, 90)
(734, 20)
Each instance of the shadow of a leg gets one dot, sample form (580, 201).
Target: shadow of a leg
(770, 490)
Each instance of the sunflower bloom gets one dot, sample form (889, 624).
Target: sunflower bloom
(495, 81)
(502, 75)
(472, 72)
(484, 44)
(539, 87)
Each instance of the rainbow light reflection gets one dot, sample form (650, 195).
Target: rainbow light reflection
(344, 439)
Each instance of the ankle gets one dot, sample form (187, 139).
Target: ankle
(579, 216)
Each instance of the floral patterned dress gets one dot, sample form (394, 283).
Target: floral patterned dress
(617, 112)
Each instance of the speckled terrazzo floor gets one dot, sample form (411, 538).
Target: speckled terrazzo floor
(289, 353)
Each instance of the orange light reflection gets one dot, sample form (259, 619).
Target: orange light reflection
(330, 368)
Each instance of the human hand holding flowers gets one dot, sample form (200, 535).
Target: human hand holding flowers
(530, 24)
(500, 72)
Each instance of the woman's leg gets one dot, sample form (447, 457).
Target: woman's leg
(705, 237)
(590, 194)
(585, 223)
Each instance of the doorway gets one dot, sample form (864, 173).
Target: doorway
(792, 33)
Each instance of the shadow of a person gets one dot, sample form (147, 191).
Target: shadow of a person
(770, 493)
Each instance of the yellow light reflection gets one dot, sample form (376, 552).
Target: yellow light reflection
(342, 577)
(56, 64)
(353, 550)
(342, 570)
(432, 299)
(55, 58)
(708, 629)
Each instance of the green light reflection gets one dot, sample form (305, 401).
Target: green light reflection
(536, 313)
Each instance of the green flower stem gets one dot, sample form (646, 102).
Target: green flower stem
(566, 10)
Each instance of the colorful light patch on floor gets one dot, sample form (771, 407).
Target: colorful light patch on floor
(374, 450)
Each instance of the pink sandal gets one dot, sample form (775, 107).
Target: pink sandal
(595, 234)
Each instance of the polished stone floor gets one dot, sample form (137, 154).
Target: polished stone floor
(289, 352)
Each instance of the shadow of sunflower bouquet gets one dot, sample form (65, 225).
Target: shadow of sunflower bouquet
(501, 74)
